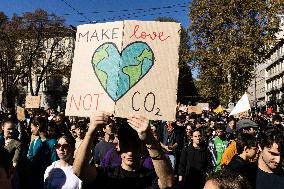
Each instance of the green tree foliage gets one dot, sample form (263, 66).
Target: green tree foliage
(35, 45)
(229, 38)
(186, 87)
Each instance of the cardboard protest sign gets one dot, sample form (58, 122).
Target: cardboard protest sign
(203, 106)
(21, 113)
(194, 109)
(32, 102)
(126, 68)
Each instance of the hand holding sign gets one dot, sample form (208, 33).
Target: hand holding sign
(97, 120)
(141, 125)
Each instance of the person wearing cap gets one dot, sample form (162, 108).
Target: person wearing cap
(243, 126)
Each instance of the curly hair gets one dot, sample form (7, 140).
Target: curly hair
(227, 179)
(271, 135)
(245, 140)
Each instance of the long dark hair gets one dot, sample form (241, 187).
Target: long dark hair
(40, 123)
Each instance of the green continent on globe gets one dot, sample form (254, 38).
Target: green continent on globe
(145, 54)
(134, 71)
(100, 55)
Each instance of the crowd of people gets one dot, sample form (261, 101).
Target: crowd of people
(50, 150)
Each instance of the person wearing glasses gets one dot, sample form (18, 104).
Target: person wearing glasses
(60, 173)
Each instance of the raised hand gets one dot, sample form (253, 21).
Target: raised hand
(141, 125)
(97, 120)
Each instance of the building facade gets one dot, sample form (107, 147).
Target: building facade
(53, 82)
(275, 72)
(256, 90)
(275, 77)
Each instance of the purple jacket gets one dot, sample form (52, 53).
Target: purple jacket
(112, 159)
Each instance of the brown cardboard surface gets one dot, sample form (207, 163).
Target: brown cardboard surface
(194, 109)
(20, 113)
(32, 102)
(86, 95)
(147, 55)
(203, 106)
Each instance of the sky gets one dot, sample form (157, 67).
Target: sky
(76, 12)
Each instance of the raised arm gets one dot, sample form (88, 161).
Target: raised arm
(81, 166)
(161, 164)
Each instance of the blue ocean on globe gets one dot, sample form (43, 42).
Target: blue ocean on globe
(119, 72)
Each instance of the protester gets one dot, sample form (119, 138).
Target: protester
(72, 130)
(227, 179)
(270, 173)
(14, 147)
(2, 140)
(112, 156)
(80, 128)
(104, 145)
(194, 163)
(169, 141)
(129, 174)
(218, 145)
(243, 126)
(51, 130)
(135, 158)
(187, 136)
(5, 169)
(24, 134)
(60, 173)
(246, 149)
(154, 129)
(231, 128)
(41, 152)
(276, 119)
(11, 144)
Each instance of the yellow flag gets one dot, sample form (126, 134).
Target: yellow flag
(218, 109)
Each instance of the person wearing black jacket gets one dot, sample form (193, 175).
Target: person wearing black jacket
(246, 149)
(194, 163)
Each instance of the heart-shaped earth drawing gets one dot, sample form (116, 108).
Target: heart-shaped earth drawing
(119, 72)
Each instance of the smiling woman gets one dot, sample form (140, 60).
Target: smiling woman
(60, 173)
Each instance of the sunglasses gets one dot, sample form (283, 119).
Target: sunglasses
(64, 146)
